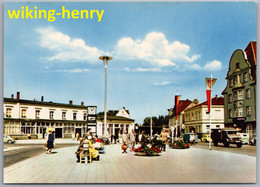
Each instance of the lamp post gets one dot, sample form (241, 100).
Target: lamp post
(105, 60)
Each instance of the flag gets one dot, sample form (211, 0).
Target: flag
(177, 98)
(209, 84)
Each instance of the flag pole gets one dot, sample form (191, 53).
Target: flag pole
(210, 112)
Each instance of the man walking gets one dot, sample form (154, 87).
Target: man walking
(132, 139)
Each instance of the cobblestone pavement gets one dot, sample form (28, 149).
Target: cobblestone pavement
(173, 166)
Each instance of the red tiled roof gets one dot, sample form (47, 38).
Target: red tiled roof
(250, 51)
(183, 104)
(215, 101)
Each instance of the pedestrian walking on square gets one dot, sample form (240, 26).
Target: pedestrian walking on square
(163, 137)
(132, 139)
(50, 140)
(125, 142)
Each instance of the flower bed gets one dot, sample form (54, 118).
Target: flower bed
(147, 151)
(179, 145)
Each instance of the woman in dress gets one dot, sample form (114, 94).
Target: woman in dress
(50, 140)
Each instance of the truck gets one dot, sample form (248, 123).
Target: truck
(226, 136)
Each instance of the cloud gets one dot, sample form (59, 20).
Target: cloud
(163, 83)
(142, 69)
(65, 48)
(155, 49)
(77, 70)
(213, 66)
(155, 52)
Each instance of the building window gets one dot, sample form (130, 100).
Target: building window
(230, 113)
(248, 111)
(231, 83)
(236, 112)
(235, 95)
(85, 116)
(239, 79)
(237, 65)
(23, 113)
(51, 114)
(240, 94)
(8, 112)
(229, 98)
(63, 115)
(74, 116)
(240, 112)
(248, 93)
(245, 77)
(37, 113)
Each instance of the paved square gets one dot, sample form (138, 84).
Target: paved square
(173, 166)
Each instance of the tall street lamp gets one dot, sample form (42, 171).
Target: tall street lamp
(105, 61)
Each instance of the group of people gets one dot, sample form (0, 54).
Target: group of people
(93, 143)
(129, 140)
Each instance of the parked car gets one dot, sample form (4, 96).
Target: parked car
(253, 141)
(244, 137)
(8, 139)
(186, 137)
(226, 136)
(205, 138)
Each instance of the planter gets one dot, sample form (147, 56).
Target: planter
(145, 154)
(141, 154)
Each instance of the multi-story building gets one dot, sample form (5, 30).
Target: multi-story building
(197, 120)
(37, 117)
(240, 92)
(183, 104)
(31, 117)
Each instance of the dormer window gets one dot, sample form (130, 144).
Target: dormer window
(237, 65)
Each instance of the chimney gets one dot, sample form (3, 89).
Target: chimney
(42, 99)
(70, 102)
(82, 103)
(12, 96)
(18, 96)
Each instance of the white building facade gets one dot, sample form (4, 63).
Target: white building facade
(199, 121)
(32, 117)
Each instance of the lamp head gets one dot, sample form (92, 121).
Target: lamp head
(105, 59)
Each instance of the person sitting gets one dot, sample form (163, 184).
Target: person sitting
(94, 153)
(98, 144)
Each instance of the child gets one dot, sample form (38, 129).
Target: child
(124, 147)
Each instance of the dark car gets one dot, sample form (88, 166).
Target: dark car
(186, 137)
(226, 136)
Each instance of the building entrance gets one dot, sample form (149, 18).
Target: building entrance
(58, 132)
(78, 130)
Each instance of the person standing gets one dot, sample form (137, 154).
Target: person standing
(163, 137)
(50, 140)
(77, 136)
(125, 142)
(132, 139)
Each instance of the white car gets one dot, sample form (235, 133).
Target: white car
(244, 137)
